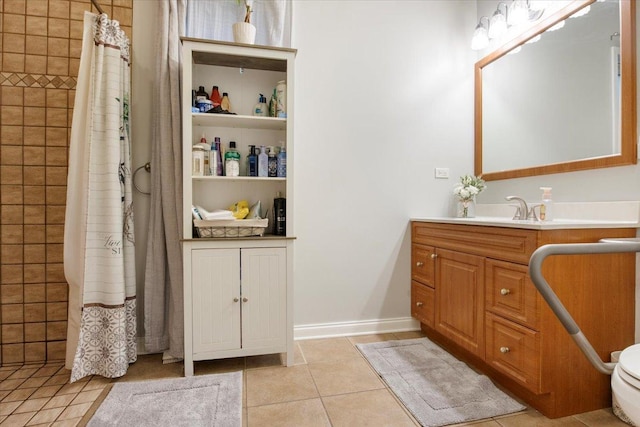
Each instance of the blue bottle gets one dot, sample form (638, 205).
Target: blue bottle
(282, 163)
(252, 162)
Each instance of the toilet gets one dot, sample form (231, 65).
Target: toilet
(625, 386)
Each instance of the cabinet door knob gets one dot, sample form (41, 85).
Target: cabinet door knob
(419, 304)
(419, 264)
(245, 299)
(236, 299)
(504, 350)
(434, 256)
(505, 291)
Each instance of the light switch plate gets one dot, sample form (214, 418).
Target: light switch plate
(442, 173)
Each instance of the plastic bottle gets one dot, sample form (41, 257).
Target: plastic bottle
(263, 162)
(201, 94)
(272, 163)
(261, 109)
(280, 215)
(215, 96)
(225, 104)
(197, 163)
(232, 160)
(281, 99)
(205, 148)
(219, 151)
(213, 160)
(252, 162)
(282, 161)
(273, 103)
(546, 208)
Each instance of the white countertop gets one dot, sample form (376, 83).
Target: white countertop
(623, 214)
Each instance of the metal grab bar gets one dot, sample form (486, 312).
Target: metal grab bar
(605, 246)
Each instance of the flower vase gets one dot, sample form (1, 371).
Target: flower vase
(466, 208)
(244, 32)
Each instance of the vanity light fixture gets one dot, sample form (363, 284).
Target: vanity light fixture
(498, 23)
(480, 38)
(518, 13)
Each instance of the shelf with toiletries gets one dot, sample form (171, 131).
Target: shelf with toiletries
(226, 90)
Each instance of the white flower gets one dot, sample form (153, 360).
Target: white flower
(469, 187)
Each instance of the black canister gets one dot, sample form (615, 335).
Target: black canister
(280, 215)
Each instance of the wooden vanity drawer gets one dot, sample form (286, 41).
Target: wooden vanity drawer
(508, 244)
(423, 264)
(510, 293)
(423, 303)
(513, 350)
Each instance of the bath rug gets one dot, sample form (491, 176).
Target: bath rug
(435, 387)
(198, 401)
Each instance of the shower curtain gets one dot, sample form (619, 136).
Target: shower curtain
(99, 262)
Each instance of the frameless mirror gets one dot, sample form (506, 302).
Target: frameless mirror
(559, 99)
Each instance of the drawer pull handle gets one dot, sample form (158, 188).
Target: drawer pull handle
(245, 299)
(434, 256)
(419, 264)
(504, 350)
(419, 304)
(505, 291)
(236, 299)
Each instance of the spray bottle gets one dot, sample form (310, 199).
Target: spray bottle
(546, 208)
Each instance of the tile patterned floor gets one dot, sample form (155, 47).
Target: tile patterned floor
(330, 384)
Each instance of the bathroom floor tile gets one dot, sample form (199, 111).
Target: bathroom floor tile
(368, 408)
(280, 384)
(323, 350)
(344, 376)
(307, 413)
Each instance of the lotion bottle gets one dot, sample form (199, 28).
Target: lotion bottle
(263, 162)
(546, 208)
(232, 160)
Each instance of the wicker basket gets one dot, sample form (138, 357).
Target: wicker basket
(231, 228)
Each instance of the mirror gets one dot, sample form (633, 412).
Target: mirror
(564, 103)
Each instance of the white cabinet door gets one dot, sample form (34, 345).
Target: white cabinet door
(264, 297)
(216, 299)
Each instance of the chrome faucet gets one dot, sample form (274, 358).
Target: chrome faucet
(523, 211)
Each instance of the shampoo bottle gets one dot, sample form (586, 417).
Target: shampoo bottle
(225, 103)
(252, 162)
(546, 208)
(263, 162)
(280, 215)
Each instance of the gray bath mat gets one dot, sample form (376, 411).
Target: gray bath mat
(207, 400)
(436, 387)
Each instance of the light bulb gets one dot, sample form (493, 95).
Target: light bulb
(519, 13)
(497, 25)
(480, 38)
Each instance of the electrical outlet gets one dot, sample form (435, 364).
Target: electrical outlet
(442, 173)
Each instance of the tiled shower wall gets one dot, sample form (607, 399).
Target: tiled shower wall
(39, 56)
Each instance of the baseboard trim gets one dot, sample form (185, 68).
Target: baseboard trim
(361, 327)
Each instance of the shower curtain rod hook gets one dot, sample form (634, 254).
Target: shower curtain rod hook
(95, 3)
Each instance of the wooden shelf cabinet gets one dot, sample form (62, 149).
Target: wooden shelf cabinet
(477, 301)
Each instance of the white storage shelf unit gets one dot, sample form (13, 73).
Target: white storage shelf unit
(233, 325)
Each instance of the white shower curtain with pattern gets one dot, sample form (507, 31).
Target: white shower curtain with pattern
(99, 262)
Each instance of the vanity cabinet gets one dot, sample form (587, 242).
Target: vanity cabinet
(486, 310)
(238, 291)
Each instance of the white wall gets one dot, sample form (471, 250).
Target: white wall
(383, 94)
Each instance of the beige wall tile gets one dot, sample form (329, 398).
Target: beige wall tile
(34, 194)
(56, 136)
(36, 25)
(35, 64)
(11, 254)
(57, 116)
(34, 135)
(14, 6)
(34, 214)
(55, 273)
(56, 195)
(34, 233)
(34, 156)
(35, 332)
(55, 233)
(11, 195)
(56, 331)
(76, 28)
(34, 273)
(33, 176)
(75, 48)
(58, 27)
(56, 175)
(11, 294)
(12, 334)
(57, 292)
(11, 135)
(55, 214)
(12, 214)
(12, 353)
(34, 292)
(59, 9)
(11, 155)
(35, 116)
(14, 43)
(74, 66)
(56, 350)
(58, 65)
(35, 312)
(57, 98)
(35, 352)
(13, 23)
(34, 254)
(11, 234)
(11, 115)
(35, 97)
(36, 45)
(12, 95)
(37, 7)
(56, 156)
(54, 253)
(56, 311)
(122, 3)
(77, 9)
(123, 15)
(13, 62)
(11, 273)
(11, 174)
(12, 313)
